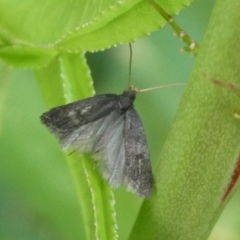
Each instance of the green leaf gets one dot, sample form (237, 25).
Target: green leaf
(31, 57)
(138, 21)
(81, 25)
(32, 34)
(202, 148)
(45, 22)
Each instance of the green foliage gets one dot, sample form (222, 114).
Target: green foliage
(202, 148)
(78, 26)
(199, 155)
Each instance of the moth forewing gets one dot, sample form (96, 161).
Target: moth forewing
(65, 119)
(139, 176)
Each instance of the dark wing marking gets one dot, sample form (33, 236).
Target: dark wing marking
(138, 171)
(63, 120)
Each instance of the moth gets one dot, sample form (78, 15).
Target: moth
(109, 127)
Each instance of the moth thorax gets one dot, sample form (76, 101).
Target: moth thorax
(126, 100)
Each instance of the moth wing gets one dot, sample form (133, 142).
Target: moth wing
(138, 172)
(104, 138)
(92, 125)
(64, 120)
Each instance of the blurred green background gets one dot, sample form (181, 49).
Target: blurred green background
(38, 199)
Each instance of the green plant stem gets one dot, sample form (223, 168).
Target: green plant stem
(200, 154)
(192, 46)
(5, 77)
(70, 81)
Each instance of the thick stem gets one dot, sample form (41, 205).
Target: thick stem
(200, 154)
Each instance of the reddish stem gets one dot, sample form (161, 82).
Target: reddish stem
(234, 179)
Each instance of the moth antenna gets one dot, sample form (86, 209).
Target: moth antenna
(161, 87)
(130, 86)
(130, 68)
